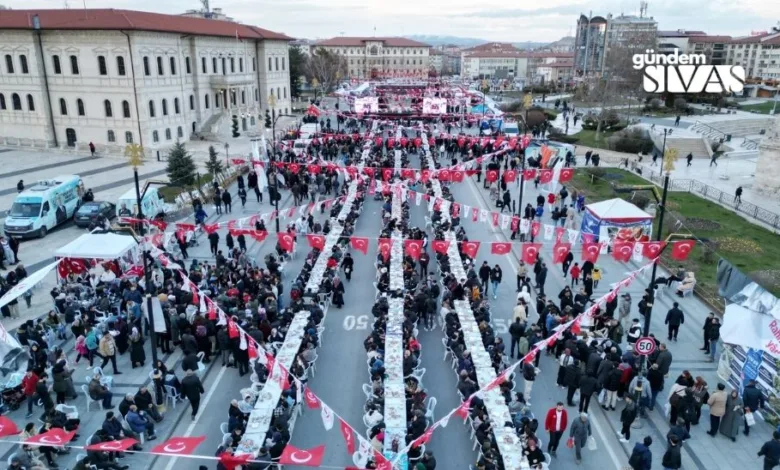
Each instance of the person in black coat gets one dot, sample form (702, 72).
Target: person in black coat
(214, 242)
(192, 388)
(674, 318)
(588, 387)
(227, 199)
(571, 379)
(752, 399)
(348, 264)
(484, 276)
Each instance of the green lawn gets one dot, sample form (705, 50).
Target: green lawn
(588, 139)
(752, 249)
(763, 108)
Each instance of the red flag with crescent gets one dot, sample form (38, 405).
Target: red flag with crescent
(566, 175)
(590, 252)
(440, 246)
(305, 457)
(316, 241)
(622, 250)
(560, 251)
(360, 244)
(178, 446)
(286, 241)
(653, 249)
(529, 174)
(545, 176)
(510, 176)
(470, 249)
(500, 248)
(681, 249)
(413, 248)
(531, 251)
(113, 446)
(385, 244)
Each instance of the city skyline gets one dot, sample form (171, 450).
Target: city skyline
(313, 20)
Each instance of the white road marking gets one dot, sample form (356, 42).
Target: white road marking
(203, 405)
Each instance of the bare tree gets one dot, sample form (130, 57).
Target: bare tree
(327, 68)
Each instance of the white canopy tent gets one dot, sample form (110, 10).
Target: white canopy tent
(102, 246)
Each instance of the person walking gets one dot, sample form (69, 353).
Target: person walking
(529, 376)
(29, 384)
(92, 149)
(588, 386)
(689, 159)
(674, 318)
(717, 404)
(516, 331)
(713, 160)
(20, 186)
(713, 335)
(753, 400)
(672, 460)
(217, 199)
(627, 418)
(495, 278)
(580, 432)
(555, 424)
(192, 388)
(575, 274)
(641, 458)
(107, 350)
(567, 262)
(484, 276)
(734, 416)
(572, 375)
(227, 199)
(771, 452)
(738, 195)
(214, 242)
(705, 328)
(677, 121)
(541, 278)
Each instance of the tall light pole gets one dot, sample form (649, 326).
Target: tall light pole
(135, 154)
(663, 152)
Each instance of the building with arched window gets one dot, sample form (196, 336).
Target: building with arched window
(368, 57)
(79, 82)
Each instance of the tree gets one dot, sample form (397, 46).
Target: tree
(213, 164)
(235, 127)
(327, 68)
(267, 119)
(181, 168)
(298, 65)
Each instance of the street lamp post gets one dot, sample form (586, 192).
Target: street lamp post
(522, 182)
(668, 167)
(227, 157)
(663, 152)
(273, 173)
(134, 152)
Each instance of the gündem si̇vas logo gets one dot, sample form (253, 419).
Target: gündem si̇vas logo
(687, 73)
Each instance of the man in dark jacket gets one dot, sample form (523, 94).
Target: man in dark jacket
(753, 399)
(672, 459)
(192, 389)
(674, 318)
(571, 378)
(641, 457)
(516, 330)
(484, 276)
(656, 380)
(588, 387)
(771, 452)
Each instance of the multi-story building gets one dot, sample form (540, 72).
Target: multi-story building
(597, 35)
(369, 57)
(436, 61)
(714, 48)
(671, 41)
(503, 60)
(557, 71)
(758, 54)
(112, 77)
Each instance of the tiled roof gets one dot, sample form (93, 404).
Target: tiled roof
(680, 34)
(520, 54)
(770, 38)
(131, 20)
(356, 41)
(492, 46)
(709, 39)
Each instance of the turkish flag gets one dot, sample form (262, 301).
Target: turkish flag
(559, 234)
(575, 327)
(529, 174)
(369, 171)
(529, 358)
(413, 248)
(440, 246)
(404, 141)
(470, 249)
(113, 446)
(258, 235)
(425, 175)
(407, 174)
(515, 223)
(455, 210)
(513, 143)
(387, 174)
(463, 409)
(445, 175)
(251, 348)
(313, 169)
(316, 241)
(531, 251)
(681, 249)
(535, 227)
(186, 227)
(622, 250)
(417, 142)
(160, 224)
(545, 176)
(566, 175)
(458, 175)
(7, 427)
(312, 401)
(560, 250)
(474, 214)
(385, 244)
(309, 458)
(525, 141)
(491, 176)
(461, 141)
(54, 436)
(391, 142)
(590, 252)
(230, 461)
(499, 248)
(347, 434)
(286, 241)
(422, 440)
(378, 141)
(360, 244)
(653, 249)
(352, 172)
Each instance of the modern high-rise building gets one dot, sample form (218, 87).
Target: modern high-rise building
(597, 35)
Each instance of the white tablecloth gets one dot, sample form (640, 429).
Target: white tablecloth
(395, 396)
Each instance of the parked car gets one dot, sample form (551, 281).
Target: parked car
(90, 211)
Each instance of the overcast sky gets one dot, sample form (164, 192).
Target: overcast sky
(496, 21)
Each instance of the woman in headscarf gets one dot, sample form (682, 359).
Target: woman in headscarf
(732, 420)
(60, 376)
(338, 292)
(137, 354)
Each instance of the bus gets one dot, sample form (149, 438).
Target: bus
(43, 206)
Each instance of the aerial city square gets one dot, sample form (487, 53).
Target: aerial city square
(466, 236)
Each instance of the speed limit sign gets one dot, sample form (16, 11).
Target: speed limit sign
(644, 346)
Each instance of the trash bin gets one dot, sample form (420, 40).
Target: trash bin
(728, 137)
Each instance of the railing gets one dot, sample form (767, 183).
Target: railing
(711, 129)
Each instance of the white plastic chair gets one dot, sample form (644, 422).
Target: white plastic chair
(173, 395)
(447, 350)
(224, 428)
(429, 410)
(90, 401)
(313, 365)
(71, 412)
(368, 391)
(417, 374)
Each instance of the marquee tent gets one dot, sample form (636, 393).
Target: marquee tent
(102, 246)
(606, 219)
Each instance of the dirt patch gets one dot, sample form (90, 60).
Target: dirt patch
(695, 223)
(769, 279)
(738, 245)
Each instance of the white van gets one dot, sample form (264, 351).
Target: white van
(300, 145)
(152, 204)
(511, 129)
(43, 206)
(308, 130)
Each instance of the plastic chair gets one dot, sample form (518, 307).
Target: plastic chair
(313, 365)
(173, 395)
(369, 392)
(71, 412)
(127, 428)
(412, 461)
(12, 457)
(447, 350)
(417, 374)
(90, 401)
(429, 410)
(224, 428)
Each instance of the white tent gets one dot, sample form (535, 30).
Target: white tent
(101, 246)
(604, 219)
(618, 210)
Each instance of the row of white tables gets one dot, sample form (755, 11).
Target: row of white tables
(508, 442)
(262, 413)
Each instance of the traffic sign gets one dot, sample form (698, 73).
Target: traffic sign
(644, 346)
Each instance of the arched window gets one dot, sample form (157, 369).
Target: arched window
(30, 103)
(80, 107)
(102, 69)
(111, 136)
(179, 132)
(129, 137)
(107, 107)
(2, 101)
(173, 65)
(16, 102)
(252, 120)
(159, 65)
(232, 65)
(207, 101)
(23, 63)
(55, 60)
(147, 71)
(282, 63)
(125, 109)
(165, 107)
(63, 107)
(9, 63)
(277, 63)
(155, 136)
(74, 65)
(187, 65)
(278, 93)
(120, 66)
(241, 64)
(243, 97)
(192, 102)
(176, 105)
(167, 134)
(151, 108)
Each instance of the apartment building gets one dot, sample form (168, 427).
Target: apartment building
(596, 35)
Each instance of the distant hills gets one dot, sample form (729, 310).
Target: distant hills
(435, 40)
